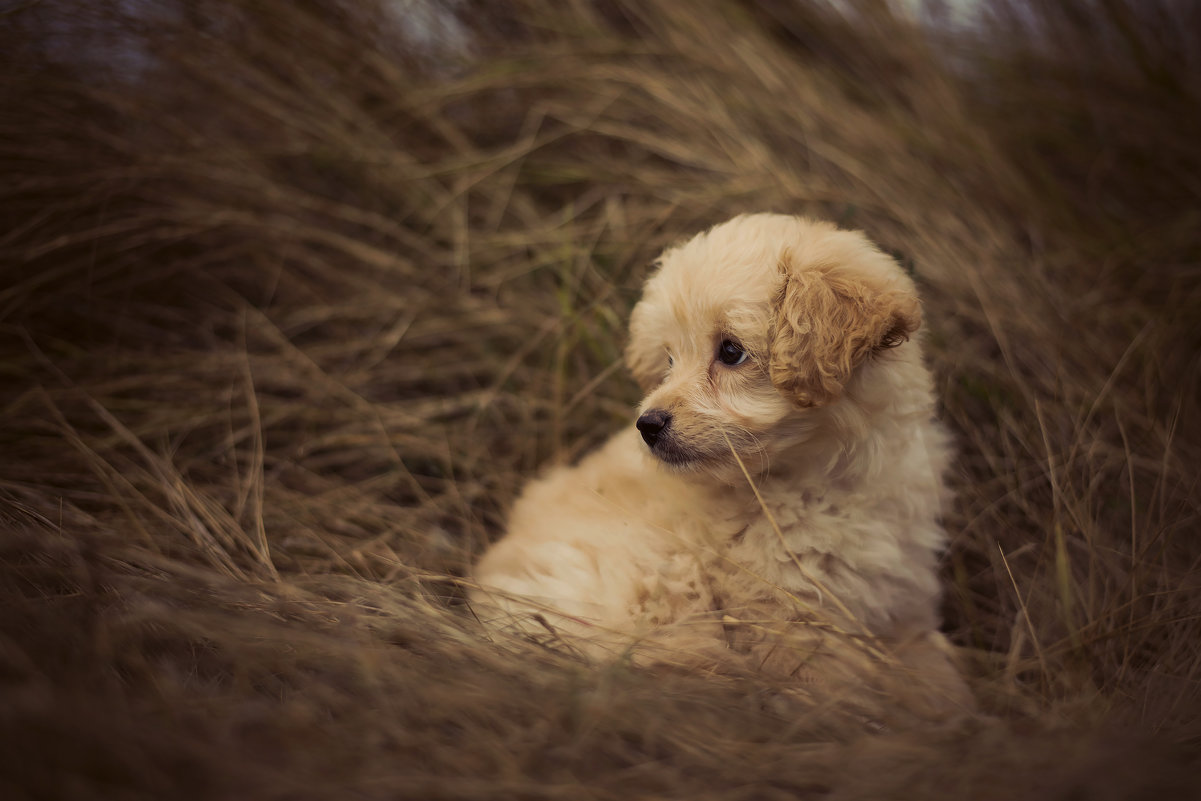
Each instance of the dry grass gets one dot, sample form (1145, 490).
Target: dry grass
(291, 307)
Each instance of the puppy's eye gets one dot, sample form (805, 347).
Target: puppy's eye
(731, 353)
(670, 361)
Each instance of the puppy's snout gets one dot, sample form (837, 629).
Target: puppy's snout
(653, 424)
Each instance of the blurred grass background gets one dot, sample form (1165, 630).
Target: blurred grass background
(294, 296)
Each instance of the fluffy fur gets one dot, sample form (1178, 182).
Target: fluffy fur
(795, 494)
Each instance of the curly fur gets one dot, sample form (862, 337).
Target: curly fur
(828, 320)
(801, 486)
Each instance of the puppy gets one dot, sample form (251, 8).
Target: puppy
(780, 492)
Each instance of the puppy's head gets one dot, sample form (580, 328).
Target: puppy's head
(748, 331)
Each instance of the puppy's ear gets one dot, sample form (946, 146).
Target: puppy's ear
(644, 353)
(827, 322)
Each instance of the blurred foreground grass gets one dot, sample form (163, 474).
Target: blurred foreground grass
(293, 301)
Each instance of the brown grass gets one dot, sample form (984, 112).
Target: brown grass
(291, 307)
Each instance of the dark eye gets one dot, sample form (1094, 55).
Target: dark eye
(670, 361)
(731, 353)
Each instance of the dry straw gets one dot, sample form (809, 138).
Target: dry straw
(296, 295)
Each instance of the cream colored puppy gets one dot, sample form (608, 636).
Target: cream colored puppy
(784, 476)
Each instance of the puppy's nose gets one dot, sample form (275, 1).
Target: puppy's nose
(652, 424)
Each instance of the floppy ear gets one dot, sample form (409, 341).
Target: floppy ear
(644, 352)
(827, 323)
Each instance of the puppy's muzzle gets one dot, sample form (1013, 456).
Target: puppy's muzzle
(654, 425)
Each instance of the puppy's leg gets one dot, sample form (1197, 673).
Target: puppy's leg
(885, 681)
(928, 678)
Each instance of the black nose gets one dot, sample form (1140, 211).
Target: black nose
(652, 424)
